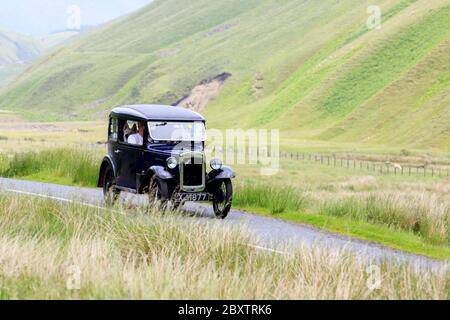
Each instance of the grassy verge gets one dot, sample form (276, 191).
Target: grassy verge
(418, 224)
(66, 166)
(53, 250)
(381, 234)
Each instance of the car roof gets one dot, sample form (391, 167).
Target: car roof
(157, 112)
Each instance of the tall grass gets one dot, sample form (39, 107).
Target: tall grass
(275, 199)
(79, 166)
(422, 214)
(45, 244)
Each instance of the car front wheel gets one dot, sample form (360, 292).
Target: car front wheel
(157, 192)
(223, 196)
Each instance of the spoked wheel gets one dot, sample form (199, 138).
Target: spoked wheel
(110, 193)
(223, 196)
(157, 193)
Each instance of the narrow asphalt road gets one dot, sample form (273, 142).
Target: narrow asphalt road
(267, 233)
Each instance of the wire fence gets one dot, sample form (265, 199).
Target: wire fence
(387, 168)
(381, 167)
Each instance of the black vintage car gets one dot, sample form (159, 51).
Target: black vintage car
(159, 151)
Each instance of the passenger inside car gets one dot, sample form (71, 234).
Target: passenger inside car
(137, 138)
(126, 131)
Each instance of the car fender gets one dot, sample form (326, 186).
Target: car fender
(223, 173)
(107, 161)
(159, 172)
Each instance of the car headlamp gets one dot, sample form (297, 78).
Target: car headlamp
(172, 163)
(216, 164)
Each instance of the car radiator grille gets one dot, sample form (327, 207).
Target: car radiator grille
(193, 174)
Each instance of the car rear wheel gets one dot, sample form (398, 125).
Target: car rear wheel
(110, 193)
(223, 196)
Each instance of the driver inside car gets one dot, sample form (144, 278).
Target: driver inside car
(137, 138)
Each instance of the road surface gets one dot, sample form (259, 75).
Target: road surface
(267, 233)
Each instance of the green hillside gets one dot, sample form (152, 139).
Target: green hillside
(55, 39)
(17, 51)
(16, 48)
(310, 68)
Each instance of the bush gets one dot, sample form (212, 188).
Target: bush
(405, 152)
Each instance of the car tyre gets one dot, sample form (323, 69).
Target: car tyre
(222, 198)
(158, 193)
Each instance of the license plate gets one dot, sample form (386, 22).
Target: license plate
(179, 197)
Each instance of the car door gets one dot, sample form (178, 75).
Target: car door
(127, 157)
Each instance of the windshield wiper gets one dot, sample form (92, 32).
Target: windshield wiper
(162, 124)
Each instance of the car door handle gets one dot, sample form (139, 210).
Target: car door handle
(117, 151)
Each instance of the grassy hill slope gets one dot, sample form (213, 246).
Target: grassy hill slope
(17, 51)
(17, 48)
(310, 68)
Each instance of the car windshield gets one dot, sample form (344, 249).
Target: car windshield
(177, 131)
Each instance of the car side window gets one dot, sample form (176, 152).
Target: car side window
(129, 132)
(113, 129)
